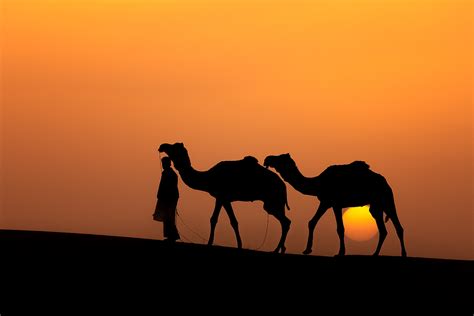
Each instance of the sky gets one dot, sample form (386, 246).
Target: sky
(91, 88)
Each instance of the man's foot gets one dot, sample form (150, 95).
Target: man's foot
(171, 239)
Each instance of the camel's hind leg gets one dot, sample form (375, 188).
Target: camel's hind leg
(285, 227)
(399, 229)
(233, 222)
(214, 218)
(378, 215)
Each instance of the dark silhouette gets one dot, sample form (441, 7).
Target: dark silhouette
(228, 181)
(343, 186)
(168, 196)
(36, 266)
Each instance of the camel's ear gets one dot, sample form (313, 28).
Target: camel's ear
(287, 155)
(180, 144)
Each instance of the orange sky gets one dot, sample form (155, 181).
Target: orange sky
(91, 88)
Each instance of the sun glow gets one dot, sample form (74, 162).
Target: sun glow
(359, 224)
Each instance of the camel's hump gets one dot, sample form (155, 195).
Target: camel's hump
(359, 164)
(251, 159)
(247, 161)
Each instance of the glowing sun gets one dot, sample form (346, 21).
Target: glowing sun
(359, 224)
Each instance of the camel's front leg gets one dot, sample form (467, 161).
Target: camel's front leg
(340, 230)
(233, 223)
(214, 218)
(377, 213)
(312, 225)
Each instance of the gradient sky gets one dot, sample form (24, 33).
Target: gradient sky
(90, 88)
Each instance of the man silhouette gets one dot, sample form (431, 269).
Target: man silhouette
(168, 196)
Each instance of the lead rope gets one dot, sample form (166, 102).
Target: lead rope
(204, 239)
(265, 237)
(189, 228)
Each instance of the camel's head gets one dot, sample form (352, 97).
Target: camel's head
(280, 163)
(177, 153)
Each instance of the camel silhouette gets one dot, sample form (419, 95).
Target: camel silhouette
(228, 181)
(341, 186)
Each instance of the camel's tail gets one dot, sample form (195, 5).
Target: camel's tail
(287, 206)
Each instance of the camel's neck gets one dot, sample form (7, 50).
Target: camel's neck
(197, 180)
(305, 185)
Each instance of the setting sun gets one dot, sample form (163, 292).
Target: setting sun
(359, 224)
